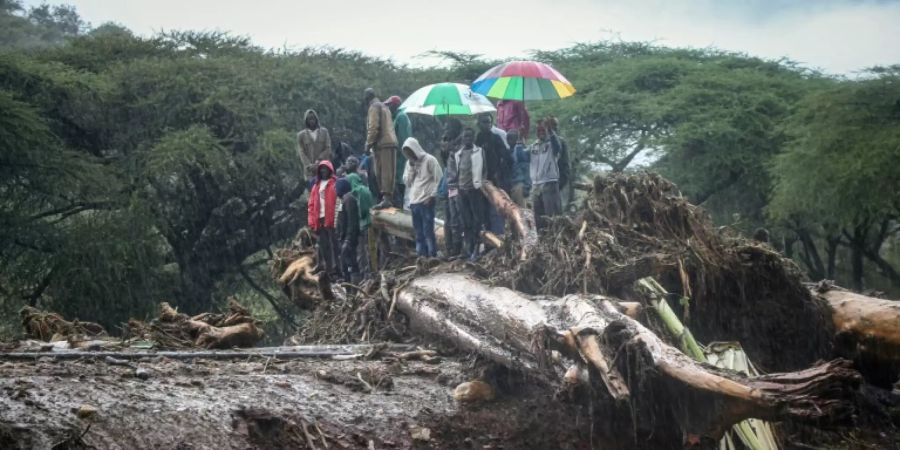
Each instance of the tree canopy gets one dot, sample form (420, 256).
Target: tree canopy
(135, 169)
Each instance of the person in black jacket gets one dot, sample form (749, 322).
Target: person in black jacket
(348, 230)
(498, 164)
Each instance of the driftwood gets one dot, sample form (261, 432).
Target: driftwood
(522, 219)
(172, 329)
(518, 331)
(867, 330)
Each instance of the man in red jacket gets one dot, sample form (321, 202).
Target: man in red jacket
(321, 213)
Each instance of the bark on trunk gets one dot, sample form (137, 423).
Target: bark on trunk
(398, 223)
(867, 330)
(522, 219)
(517, 331)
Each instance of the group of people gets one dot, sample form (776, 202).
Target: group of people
(395, 170)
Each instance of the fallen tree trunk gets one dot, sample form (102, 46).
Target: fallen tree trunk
(518, 331)
(399, 224)
(867, 330)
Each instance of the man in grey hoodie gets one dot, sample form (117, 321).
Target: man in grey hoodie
(313, 143)
(421, 176)
(545, 174)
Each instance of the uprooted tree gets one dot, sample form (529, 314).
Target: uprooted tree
(551, 309)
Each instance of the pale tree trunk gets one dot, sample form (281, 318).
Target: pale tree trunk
(631, 363)
(867, 330)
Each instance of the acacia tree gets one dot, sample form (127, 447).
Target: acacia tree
(840, 167)
(844, 142)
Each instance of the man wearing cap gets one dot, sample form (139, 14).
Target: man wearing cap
(381, 140)
(403, 130)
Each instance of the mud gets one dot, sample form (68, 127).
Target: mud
(266, 403)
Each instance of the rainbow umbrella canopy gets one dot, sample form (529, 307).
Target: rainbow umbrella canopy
(447, 99)
(523, 80)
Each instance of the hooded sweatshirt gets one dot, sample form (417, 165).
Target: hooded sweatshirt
(363, 198)
(543, 164)
(422, 174)
(316, 197)
(313, 145)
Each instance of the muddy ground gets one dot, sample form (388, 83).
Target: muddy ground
(265, 403)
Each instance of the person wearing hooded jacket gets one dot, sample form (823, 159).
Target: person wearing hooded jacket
(544, 172)
(421, 176)
(322, 211)
(381, 140)
(365, 201)
(313, 143)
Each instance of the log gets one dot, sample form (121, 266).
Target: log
(522, 219)
(241, 335)
(518, 331)
(867, 330)
(398, 223)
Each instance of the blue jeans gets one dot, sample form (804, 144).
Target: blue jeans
(496, 221)
(423, 222)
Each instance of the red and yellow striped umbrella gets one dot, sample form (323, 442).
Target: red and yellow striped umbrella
(523, 80)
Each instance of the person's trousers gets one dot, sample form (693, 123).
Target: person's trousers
(496, 222)
(362, 252)
(399, 193)
(385, 169)
(327, 248)
(423, 223)
(349, 260)
(546, 200)
(453, 227)
(517, 194)
(472, 212)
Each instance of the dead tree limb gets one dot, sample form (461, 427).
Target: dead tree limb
(522, 219)
(867, 330)
(518, 331)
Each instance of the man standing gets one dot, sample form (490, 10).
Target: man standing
(382, 142)
(498, 166)
(364, 202)
(313, 143)
(545, 173)
(321, 214)
(403, 130)
(469, 161)
(565, 169)
(422, 175)
(451, 141)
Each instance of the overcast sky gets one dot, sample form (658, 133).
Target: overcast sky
(839, 36)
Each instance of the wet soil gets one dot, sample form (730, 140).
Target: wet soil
(266, 403)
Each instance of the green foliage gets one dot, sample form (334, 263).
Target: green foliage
(135, 170)
(850, 134)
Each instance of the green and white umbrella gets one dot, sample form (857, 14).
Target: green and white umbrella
(447, 99)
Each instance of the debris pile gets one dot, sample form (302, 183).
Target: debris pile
(639, 225)
(51, 327)
(174, 330)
